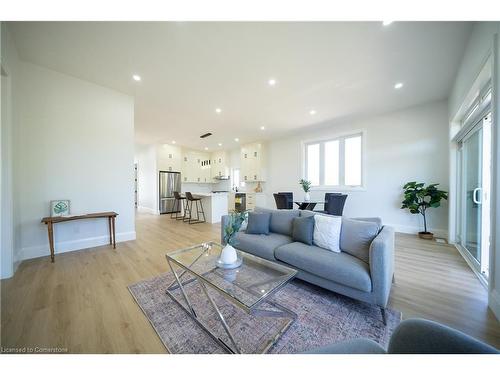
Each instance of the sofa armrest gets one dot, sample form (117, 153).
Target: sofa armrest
(382, 265)
(420, 336)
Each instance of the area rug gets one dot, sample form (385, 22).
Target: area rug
(324, 318)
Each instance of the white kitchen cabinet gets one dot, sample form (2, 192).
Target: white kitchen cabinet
(218, 165)
(253, 162)
(196, 167)
(168, 158)
(255, 200)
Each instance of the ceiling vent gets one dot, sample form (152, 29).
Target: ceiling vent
(205, 135)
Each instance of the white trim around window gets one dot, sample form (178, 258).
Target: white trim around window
(337, 143)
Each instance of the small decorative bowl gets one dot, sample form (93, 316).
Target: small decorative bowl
(229, 266)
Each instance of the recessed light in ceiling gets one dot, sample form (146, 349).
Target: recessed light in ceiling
(206, 148)
(218, 110)
(174, 142)
(387, 23)
(262, 128)
(220, 144)
(136, 77)
(272, 82)
(312, 112)
(236, 139)
(398, 85)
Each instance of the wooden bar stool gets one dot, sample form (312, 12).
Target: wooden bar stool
(177, 207)
(189, 209)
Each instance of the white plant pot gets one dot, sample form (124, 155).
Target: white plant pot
(307, 197)
(228, 255)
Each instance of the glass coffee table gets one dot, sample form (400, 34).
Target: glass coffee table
(248, 287)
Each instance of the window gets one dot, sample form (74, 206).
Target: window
(235, 179)
(335, 162)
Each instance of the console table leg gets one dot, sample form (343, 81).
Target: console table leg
(114, 233)
(110, 231)
(51, 241)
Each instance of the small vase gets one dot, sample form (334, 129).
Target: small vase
(228, 255)
(307, 197)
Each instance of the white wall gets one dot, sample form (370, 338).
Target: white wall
(408, 145)
(75, 140)
(9, 62)
(483, 43)
(147, 178)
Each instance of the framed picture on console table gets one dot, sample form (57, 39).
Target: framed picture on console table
(59, 207)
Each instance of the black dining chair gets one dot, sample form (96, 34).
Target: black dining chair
(289, 198)
(281, 201)
(334, 203)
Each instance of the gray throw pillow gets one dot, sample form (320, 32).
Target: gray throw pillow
(258, 223)
(356, 237)
(303, 229)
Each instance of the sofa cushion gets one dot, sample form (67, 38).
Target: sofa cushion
(258, 223)
(356, 237)
(302, 229)
(261, 245)
(327, 232)
(281, 220)
(341, 268)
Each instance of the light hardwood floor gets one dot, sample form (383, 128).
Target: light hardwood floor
(81, 302)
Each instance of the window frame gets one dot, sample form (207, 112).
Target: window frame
(341, 137)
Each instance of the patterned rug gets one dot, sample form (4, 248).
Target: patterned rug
(324, 317)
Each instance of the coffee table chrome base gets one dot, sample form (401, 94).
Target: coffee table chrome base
(280, 312)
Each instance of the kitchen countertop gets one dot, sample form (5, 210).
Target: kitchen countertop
(209, 194)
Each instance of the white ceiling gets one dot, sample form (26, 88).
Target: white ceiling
(340, 69)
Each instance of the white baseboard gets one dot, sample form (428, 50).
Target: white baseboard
(66, 246)
(494, 302)
(442, 233)
(148, 210)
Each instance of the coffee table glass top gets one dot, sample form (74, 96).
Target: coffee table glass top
(247, 285)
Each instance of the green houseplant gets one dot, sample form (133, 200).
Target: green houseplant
(228, 254)
(418, 198)
(306, 186)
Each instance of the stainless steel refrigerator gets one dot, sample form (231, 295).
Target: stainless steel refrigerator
(169, 182)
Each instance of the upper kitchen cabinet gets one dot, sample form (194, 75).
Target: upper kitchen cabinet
(168, 158)
(218, 165)
(196, 167)
(253, 162)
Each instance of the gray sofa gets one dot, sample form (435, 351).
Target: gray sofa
(414, 336)
(339, 272)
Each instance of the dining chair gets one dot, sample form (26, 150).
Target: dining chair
(289, 198)
(281, 201)
(334, 203)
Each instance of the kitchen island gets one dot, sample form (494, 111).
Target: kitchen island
(215, 205)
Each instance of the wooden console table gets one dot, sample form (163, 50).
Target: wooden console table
(50, 221)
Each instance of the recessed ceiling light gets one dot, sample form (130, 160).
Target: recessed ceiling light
(206, 148)
(136, 77)
(398, 85)
(387, 23)
(220, 144)
(262, 128)
(236, 139)
(218, 110)
(174, 142)
(312, 112)
(272, 82)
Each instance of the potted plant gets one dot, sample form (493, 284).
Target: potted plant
(418, 198)
(228, 254)
(306, 186)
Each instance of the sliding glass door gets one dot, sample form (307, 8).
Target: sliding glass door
(474, 194)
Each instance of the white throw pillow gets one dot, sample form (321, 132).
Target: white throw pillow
(327, 232)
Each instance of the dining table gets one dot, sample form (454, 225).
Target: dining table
(308, 205)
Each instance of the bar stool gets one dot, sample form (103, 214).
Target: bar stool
(189, 208)
(177, 204)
